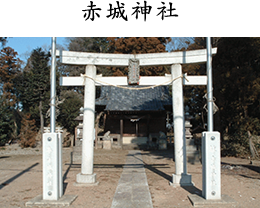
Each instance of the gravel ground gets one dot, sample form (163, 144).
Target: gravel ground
(21, 178)
(15, 149)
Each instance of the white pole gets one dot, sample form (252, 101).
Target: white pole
(52, 149)
(53, 85)
(211, 157)
(209, 85)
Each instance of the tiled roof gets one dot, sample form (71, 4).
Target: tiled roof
(119, 99)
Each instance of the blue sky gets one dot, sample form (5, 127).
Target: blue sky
(25, 45)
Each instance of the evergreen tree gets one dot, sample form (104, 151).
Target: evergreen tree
(69, 109)
(28, 132)
(236, 69)
(9, 68)
(88, 44)
(6, 122)
(33, 89)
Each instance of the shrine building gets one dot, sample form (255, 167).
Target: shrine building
(133, 117)
(134, 114)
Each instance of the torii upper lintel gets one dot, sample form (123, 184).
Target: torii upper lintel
(150, 59)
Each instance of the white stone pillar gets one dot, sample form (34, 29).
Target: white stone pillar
(211, 169)
(51, 167)
(87, 176)
(180, 178)
(60, 164)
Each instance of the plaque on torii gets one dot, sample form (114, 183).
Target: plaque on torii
(133, 72)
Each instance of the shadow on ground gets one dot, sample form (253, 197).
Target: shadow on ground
(7, 182)
(155, 168)
(232, 166)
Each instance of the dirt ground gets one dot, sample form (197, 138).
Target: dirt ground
(21, 178)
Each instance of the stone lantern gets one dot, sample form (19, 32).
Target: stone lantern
(191, 150)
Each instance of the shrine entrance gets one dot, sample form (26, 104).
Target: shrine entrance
(211, 163)
(133, 115)
(90, 79)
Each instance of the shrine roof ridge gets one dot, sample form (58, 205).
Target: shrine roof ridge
(118, 99)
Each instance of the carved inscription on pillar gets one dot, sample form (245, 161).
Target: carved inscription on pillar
(49, 170)
(213, 167)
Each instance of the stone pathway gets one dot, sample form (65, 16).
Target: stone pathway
(133, 190)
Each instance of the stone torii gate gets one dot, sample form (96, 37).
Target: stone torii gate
(52, 181)
(90, 80)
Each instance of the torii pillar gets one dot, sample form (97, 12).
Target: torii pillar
(87, 176)
(180, 178)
